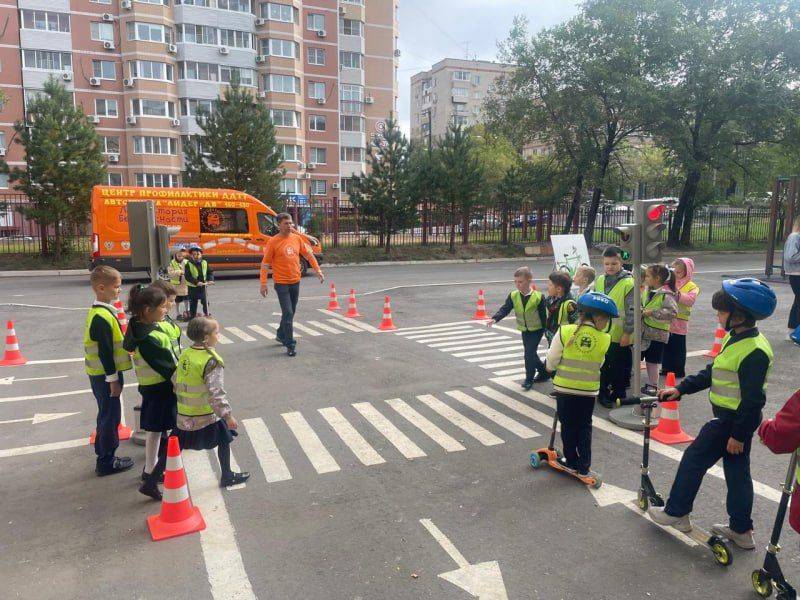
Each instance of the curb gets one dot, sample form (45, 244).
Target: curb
(46, 273)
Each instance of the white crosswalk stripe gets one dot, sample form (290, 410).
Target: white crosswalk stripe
(453, 337)
(504, 421)
(385, 427)
(223, 340)
(496, 347)
(473, 340)
(508, 363)
(514, 404)
(518, 371)
(484, 436)
(261, 331)
(309, 441)
(308, 330)
(473, 347)
(348, 434)
(267, 453)
(344, 325)
(240, 334)
(435, 326)
(434, 333)
(355, 322)
(276, 325)
(324, 327)
(480, 359)
(450, 444)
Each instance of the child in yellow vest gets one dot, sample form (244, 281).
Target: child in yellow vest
(675, 351)
(658, 311)
(167, 325)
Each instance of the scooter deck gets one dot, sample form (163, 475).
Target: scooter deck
(550, 456)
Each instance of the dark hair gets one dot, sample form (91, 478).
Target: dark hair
(562, 280)
(282, 217)
(612, 251)
(721, 300)
(166, 287)
(144, 297)
(664, 274)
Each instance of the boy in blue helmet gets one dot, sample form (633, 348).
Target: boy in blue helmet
(737, 381)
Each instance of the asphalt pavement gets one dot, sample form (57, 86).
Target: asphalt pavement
(385, 465)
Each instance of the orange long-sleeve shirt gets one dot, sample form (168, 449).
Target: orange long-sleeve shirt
(283, 254)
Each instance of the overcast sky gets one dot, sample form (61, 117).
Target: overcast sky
(431, 30)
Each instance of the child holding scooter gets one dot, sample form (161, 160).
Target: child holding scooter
(736, 381)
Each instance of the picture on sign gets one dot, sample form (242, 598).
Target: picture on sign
(569, 252)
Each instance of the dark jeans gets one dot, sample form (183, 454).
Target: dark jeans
(109, 415)
(288, 294)
(709, 446)
(794, 313)
(575, 416)
(674, 360)
(530, 341)
(615, 374)
(197, 294)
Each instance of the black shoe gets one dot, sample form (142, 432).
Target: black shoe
(563, 462)
(145, 476)
(150, 490)
(290, 351)
(234, 479)
(280, 340)
(120, 464)
(527, 385)
(541, 376)
(605, 401)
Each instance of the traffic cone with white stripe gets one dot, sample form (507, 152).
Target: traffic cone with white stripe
(121, 316)
(333, 303)
(480, 311)
(387, 324)
(352, 310)
(123, 431)
(669, 424)
(177, 516)
(12, 355)
(719, 334)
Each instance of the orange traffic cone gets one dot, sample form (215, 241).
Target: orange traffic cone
(352, 311)
(121, 316)
(386, 323)
(480, 311)
(719, 334)
(177, 516)
(12, 354)
(333, 303)
(669, 424)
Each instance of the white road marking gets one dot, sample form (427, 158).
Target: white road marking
(261, 331)
(449, 331)
(317, 454)
(55, 361)
(475, 345)
(240, 334)
(481, 359)
(445, 543)
(694, 353)
(502, 420)
(515, 405)
(359, 324)
(308, 330)
(54, 394)
(388, 430)
(12, 379)
(234, 467)
(504, 372)
(484, 436)
(39, 418)
(276, 325)
(506, 345)
(13, 304)
(224, 340)
(224, 566)
(507, 329)
(267, 453)
(352, 438)
(498, 365)
(444, 342)
(343, 325)
(328, 328)
(434, 327)
(447, 442)
(23, 450)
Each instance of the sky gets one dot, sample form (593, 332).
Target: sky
(431, 30)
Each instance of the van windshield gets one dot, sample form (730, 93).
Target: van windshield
(266, 224)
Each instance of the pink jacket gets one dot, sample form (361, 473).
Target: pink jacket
(679, 326)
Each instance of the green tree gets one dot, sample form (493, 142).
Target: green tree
(382, 196)
(237, 148)
(64, 160)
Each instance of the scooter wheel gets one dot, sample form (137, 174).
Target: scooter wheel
(641, 501)
(598, 482)
(722, 554)
(536, 462)
(762, 583)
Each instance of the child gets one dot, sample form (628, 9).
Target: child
(177, 277)
(583, 279)
(737, 380)
(675, 351)
(618, 285)
(658, 310)
(559, 305)
(204, 417)
(105, 362)
(529, 309)
(782, 436)
(154, 362)
(198, 275)
(167, 325)
(576, 354)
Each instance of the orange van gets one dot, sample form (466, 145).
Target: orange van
(232, 227)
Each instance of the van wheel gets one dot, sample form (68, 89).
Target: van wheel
(303, 267)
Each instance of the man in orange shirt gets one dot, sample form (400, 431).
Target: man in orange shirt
(282, 254)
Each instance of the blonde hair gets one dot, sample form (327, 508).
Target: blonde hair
(200, 328)
(103, 274)
(524, 272)
(588, 272)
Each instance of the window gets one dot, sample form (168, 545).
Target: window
(284, 118)
(114, 179)
(266, 224)
(351, 123)
(197, 34)
(316, 56)
(460, 92)
(282, 83)
(291, 152)
(460, 120)
(279, 12)
(2, 139)
(110, 145)
(156, 180)
(206, 3)
(315, 21)
(150, 144)
(290, 186)
(319, 156)
(192, 107)
(350, 60)
(319, 187)
(149, 32)
(148, 69)
(284, 48)
(104, 107)
(351, 92)
(247, 77)
(347, 185)
(317, 122)
(104, 69)
(45, 20)
(159, 2)
(460, 75)
(3, 180)
(102, 32)
(316, 90)
(223, 220)
(234, 5)
(49, 61)
(142, 107)
(359, 2)
(476, 79)
(352, 154)
(235, 38)
(197, 70)
(351, 27)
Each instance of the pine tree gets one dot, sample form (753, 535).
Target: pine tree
(64, 160)
(237, 148)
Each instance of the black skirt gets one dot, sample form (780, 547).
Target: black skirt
(159, 407)
(206, 438)
(654, 352)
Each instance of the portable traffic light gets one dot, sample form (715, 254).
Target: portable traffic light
(650, 213)
(163, 235)
(629, 239)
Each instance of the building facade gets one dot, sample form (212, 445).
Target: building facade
(141, 70)
(452, 91)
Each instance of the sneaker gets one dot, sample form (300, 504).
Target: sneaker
(745, 541)
(565, 465)
(151, 491)
(527, 385)
(290, 351)
(234, 479)
(120, 464)
(541, 376)
(160, 479)
(659, 516)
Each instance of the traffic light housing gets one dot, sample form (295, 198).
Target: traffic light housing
(650, 214)
(163, 235)
(629, 240)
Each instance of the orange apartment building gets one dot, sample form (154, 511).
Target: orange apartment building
(327, 70)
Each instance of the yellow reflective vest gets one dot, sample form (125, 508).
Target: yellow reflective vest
(580, 364)
(618, 294)
(145, 374)
(190, 383)
(528, 318)
(725, 391)
(91, 349)
(684, 312)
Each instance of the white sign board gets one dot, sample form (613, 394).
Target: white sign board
(569, 252)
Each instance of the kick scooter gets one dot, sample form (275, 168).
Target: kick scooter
(770, 575)
(648, 496)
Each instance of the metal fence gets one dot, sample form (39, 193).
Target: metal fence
(21, 235)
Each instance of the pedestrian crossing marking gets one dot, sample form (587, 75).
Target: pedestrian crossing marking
(510, 363)
(470, 339)
(240, 334)
(514, 404)
(275, 326)
(409, 330)
(480, 359)
(261, 331)
(475, 346)
(222, 339)
(484, 436)
(453, 337)
(518, 371)
(448, 332)
(267, 453)
(359, 324)
(309, 441)
(308, 330)
(351, 437)
(490, 413)
(388, 429)
(348, 326)
(506, 346)
(508, 329)
(449, 444)
(323, 327)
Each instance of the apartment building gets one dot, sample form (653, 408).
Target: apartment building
(141, 70)
(452, 91)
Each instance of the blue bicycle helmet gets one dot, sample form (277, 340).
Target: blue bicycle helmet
(194, 247)
(752, 296)
(599, 302)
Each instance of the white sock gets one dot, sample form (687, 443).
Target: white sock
(152, 440)
(652, 373)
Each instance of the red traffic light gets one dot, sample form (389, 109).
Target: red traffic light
(655, 213)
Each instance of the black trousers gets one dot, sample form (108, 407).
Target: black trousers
(223, 454)
(615, 374)
(288, 295)
(709, 446)
(530, 342)
(197, 294)
(109, 414)
(794, 313)
(575, 416)
(674, 360)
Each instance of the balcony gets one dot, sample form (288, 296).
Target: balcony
(352, 107)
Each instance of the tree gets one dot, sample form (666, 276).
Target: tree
(382, 196)
(237, 148)
(64, 160)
